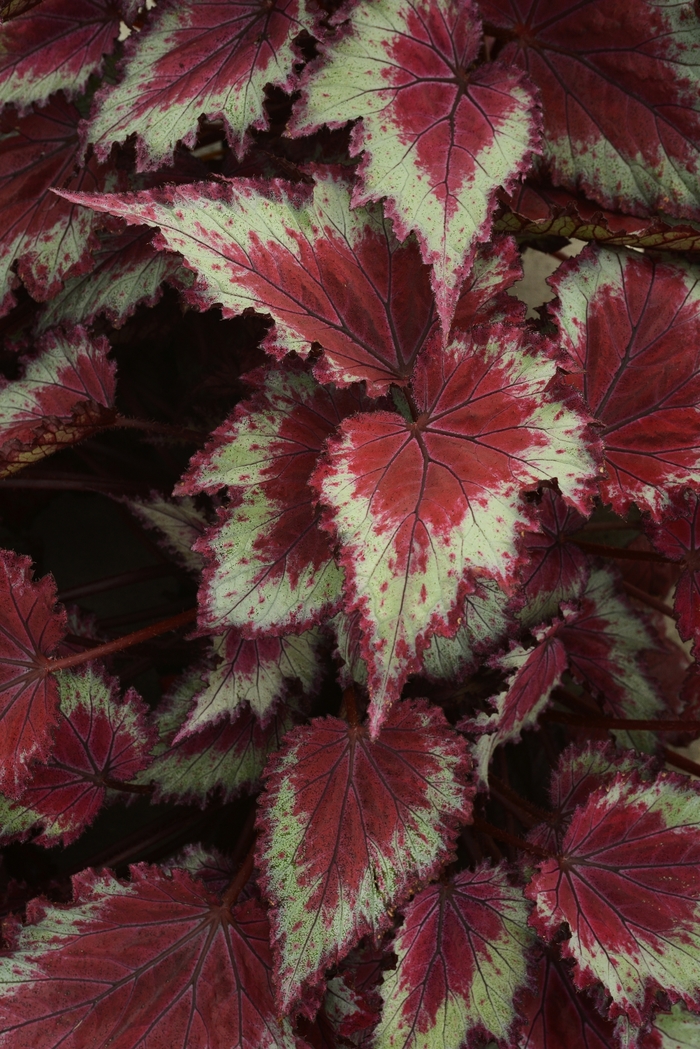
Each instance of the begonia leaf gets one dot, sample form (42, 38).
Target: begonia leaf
(257, 672)
(421, 507)
(352, 1004)
(621, 316)
(555, 570)
(157, 959)
(497, 266)
(271, 569)
(326, 274)
(462, 961)
(678, 537)
(676, 1029)
(605, 640)
(66, 392)
(485, 623)
(55, 49)
(179, 524)
(627, 884)
(648, 69)
(348, 827)
(535, 210)
(580, 771)
(49, 237)
(97, 739)
(14, 8)
(228, 756)
(439, 134)
(534, 674)
(558, 1015)
(199, 59)
(127, 272)
(31, 629)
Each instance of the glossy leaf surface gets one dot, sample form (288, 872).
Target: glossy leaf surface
(627, 884)
(462, 960)
(30, 630)
(195, 59)
(438, 134)
(621, 316)
(348, 827)
(154, 960)
(65, 393)
(647, 68)
(422, 507)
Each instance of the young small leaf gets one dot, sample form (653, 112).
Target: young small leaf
(462, 962)
(65, 393)
(439, 133)
(348, 828)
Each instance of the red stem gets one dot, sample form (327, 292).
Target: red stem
(647, 599)
(111, 582)
(120, 643)
(510, 839)
(350, 704)
(681, 762)
(620, 552)
(239, 882)
(647, 724)
(180, 433)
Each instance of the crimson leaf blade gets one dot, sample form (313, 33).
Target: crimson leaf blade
(678, 537)
(439, 134)
(462, 961)
(348, 826)
(155, 959)
(627, 884)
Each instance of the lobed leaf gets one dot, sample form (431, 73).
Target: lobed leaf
(348, 827)
(621, 317)
(55, 49)
(179, 524)
(65, 393)
(127, 272)
(199, 58)
(439, 133)
(155, 960)
(31, 628)
(47, 236)
(647, 69)
(557, 1015)
(627, 884)
(422, 508)
(227, 757)
(271, 570)
(97, 739)
(678, 537)
(462, 964)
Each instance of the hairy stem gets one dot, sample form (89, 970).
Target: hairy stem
(120, 643)
(238, 884)
(647, 599)
(179, 433)
(679, 761)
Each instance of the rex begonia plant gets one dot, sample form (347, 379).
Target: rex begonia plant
(385, 746)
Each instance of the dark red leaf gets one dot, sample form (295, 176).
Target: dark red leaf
(596, 60)
(49, 236)
(97, 738)
(348, 828)
(30, 630)
(678, 537)
(627, 885)
(55, 49)
(14, 8)
(155, 961)
(66, 392)
(557, 1015)
(621, 317)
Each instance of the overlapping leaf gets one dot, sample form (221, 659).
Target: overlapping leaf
(30, 630)
(648, 68)
(678, 537)
(422, 506)
(178, 522)
(462, 960)
(98, 741)
(485, 623)
(257, 672)
(555, 570)
(439, 134)
(558, 1015)
(348, 827)
(55, 49)
(199, 59)
(325, 273)
(227, 757)
(676, 1029)
(65, 393)
(622, 316)
(627, 884)
(153, 960)
(48, 236)
(271, 569)
(127, 273)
